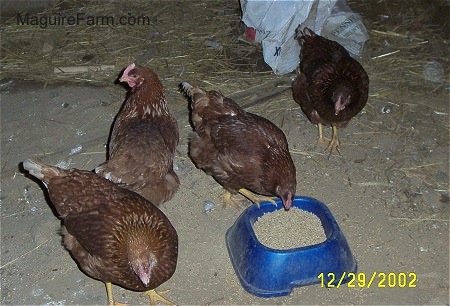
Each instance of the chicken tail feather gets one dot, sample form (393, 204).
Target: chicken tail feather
(186, 88)
(189, 90)
(40, 170)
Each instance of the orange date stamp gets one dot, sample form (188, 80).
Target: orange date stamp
(364, 280)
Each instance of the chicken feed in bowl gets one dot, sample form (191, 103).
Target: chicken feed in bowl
(270, 229)
(273, 267)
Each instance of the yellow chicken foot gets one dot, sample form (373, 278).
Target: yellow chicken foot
(334, 143)
(157, 297)
(233, 202)
(109, 294)
(256, 198)
(322, 139)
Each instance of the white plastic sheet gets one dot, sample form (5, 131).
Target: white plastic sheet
(276, 22)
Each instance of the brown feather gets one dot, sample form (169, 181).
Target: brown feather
(326, 66)
(143, 140)
(239, 149)
(108, 227)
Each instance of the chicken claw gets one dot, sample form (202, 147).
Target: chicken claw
(152, 294)
(111, 301)
(157, 297)
(256, 198)
(322, 139)
(228, 199)
(332, 143)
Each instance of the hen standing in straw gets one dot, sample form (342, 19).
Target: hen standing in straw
(143, 139)
(332, 87)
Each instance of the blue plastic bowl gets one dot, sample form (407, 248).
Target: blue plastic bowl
(267, 272)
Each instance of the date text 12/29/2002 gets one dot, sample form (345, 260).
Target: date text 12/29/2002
(363, 280)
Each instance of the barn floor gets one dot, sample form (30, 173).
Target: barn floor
(388, 191)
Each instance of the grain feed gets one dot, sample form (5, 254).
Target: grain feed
(290, 229)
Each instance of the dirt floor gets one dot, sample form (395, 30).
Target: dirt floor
(388, 191)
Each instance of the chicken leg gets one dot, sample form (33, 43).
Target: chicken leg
(152, 294)
(228, 199)
(109, 294)
(157, 297)
(321, 138)
(332, 143)
(256, 198)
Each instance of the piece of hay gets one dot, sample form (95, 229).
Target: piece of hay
(83, 69)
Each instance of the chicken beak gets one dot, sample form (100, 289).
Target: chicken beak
(126, 72)
(287, 203)
(338, 106)
(123, 78)
(143, 274)
(145, 278)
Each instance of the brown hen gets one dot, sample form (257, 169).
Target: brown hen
(331, 87)
(244, 152)
(143, 139)
(115, 235)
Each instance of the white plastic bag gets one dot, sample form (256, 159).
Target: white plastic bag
(275, 23)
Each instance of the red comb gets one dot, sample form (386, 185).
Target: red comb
(126, 71)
